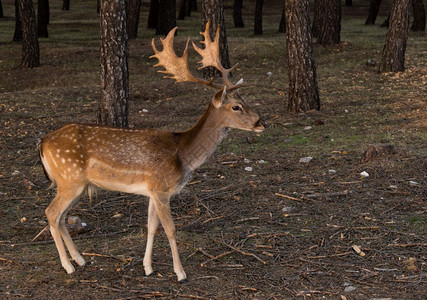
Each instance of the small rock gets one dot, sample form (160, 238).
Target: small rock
(249, 169)
(269, 74)
(364, 174)
(145, 110)
(308, 127)
(287, 209)
(318, 122)
(413, 183)
(377, 150)
(246, 161)
(371, 63)
(305, 160)
(332, 171)
(349, 289)
(15, 173)
(261, 161)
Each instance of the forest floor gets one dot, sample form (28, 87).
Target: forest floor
(280, 229)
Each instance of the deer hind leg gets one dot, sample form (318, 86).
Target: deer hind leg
(164, 213)
(152, 224)
(56, 213)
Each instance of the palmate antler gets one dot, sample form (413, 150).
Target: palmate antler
(178, 66)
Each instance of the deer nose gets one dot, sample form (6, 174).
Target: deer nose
(262, 122)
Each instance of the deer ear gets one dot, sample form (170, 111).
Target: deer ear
(219, 97)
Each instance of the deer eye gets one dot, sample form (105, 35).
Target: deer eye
(236, 108)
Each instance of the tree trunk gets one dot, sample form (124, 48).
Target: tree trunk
(316, 18)
(167, 17)
(182, 9)
(374, 8)
(419, 16)
(282, 25)
(30, 43)
(113, 108)
(1, 10)
(66, 5)
(42, 18)
(213, 10)
(258, 17)
(133, 10)
(153, 14)
(237, 14)
(393, 55)
(386, 22)
(17, 36)
(329, 28)
(303, 91)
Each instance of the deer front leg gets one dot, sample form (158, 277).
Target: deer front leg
(164, 213)
(152, 224)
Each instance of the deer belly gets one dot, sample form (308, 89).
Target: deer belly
(116, 179)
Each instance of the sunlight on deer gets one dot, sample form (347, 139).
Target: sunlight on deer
(150, 162)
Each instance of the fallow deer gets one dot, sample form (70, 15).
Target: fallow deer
(150, 162)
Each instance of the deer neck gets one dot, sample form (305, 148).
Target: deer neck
(199, 142)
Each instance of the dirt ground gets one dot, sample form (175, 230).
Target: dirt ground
(254, 222)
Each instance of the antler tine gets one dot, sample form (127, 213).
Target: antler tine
(211, 58)
(174, 65)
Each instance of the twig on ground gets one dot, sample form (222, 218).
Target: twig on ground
(334, 194)
(408, 245)
(288, 197)
(203, 264)
(245, 253)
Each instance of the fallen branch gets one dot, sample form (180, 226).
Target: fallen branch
(408, 245)
(100, 255)
(288, 197)
(203, 264)
(245, 253)
(267, 234)
(332, 255)
(204, 253)
(319, 195)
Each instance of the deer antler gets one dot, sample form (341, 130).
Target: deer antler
(210, 56)
(178, 66)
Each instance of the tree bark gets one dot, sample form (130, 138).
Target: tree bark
(153, 14)
(419, 16)
(329, 13)
(17, 36)
(167, 17)
(213, 10)
(316, 19)
(374, 8)
(66, 5)
(1, 10)
(30, 43)
(113, 108)
(42, 18)
(303, 90)
(237, 14)
(258, 17)
(133, 11)
(282, 25)
(182, 9)
(393, 54)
